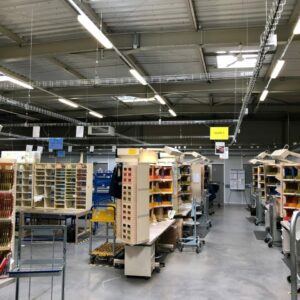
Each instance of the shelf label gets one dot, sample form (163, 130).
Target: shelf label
(132, 151)
(219, 133)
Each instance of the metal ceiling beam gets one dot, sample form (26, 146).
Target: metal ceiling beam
(193, 16)
(129, 123)
(148, 41)
(11, 35)
(192, 111)
(283, 85)
(30, 107)
(67, 68)
(203, 63)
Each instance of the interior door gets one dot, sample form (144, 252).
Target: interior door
(218, 177)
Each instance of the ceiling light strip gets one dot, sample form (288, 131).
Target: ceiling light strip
(16, 81)
(68, 102)
(95, 114)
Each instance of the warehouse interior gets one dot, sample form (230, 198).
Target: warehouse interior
(142, 84)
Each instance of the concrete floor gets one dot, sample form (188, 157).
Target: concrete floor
(232, 266)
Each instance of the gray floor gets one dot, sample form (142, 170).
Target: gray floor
(233, 265)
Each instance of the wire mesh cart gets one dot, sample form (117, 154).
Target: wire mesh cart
(193, 240)
(41, 252)
(106, 252)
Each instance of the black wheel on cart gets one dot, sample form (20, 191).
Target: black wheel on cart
(270, 244)
(157, 270)
(266, 240)
(198, 250)
(289, 279)
(92, 260)
(180, 248)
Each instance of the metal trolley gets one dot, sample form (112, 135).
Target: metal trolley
(106, 252)
(193, 240)
(31, 262)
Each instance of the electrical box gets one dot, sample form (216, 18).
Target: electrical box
(101, 130)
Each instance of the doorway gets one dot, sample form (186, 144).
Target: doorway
(218, 177)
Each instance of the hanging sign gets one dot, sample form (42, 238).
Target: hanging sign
(79, 131)
(219, 133)
(60, 153)
(56, 143)
(219, 148)
(225, 155)
(36, 131)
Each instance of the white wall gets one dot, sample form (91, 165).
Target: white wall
(234, 162)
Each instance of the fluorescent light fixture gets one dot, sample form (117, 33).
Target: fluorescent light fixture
(297, 27)
(94, 31)
(16, 81)
(132, 99)
(160, 99)
(234, 62)
(138, 76)
(220, 52)
(277, 68)
(264, 95)
(67, 102)
(172, 112)
(243, 51)
(95, 114)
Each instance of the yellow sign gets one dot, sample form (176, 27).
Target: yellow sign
(132, 151)
(219, 133)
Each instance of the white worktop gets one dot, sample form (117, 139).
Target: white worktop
(157, 229)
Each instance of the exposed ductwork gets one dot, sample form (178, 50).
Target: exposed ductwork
(130, 123)
(271, 24)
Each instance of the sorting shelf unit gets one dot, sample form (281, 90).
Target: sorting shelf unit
(255, 178)
(290, 189)
(262, 183)
(7, 214)
(63, 186)
(134, 208)
(24, 186)
(185, 183)
(273, 185)
(161, 191)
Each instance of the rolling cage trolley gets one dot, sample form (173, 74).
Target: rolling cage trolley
(273, 227)
(107, 251)
(194, 240)
(41, 252)
(294, 278)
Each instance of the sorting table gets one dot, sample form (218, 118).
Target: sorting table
(140, 259)
(74, 215)
(184, 210)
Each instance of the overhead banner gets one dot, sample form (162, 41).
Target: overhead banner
(219, 133)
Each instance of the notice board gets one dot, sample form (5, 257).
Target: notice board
(237, 179)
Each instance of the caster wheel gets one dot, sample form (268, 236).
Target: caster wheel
(270, 244)
(180, 248)
(210, 225)
(157, 270)
(198, 250)
(203, 242)
(266, 240)
(288, 279)
(92, 260)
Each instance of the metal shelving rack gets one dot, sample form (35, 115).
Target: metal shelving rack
(55, 186)
(7, 216)
(24, 192)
